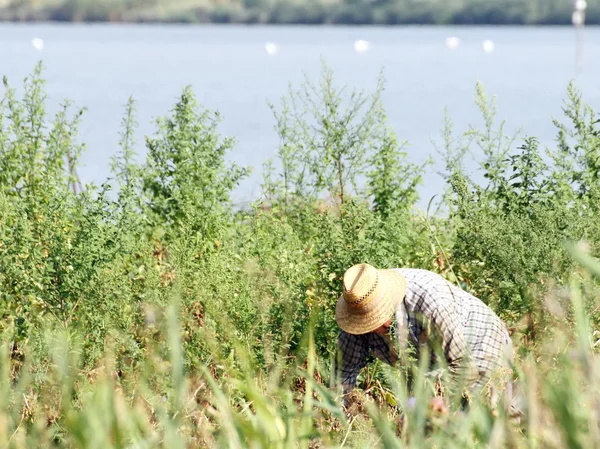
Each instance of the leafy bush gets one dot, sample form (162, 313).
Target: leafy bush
(511, 230)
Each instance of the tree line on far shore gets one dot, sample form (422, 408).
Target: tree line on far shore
(351, 12)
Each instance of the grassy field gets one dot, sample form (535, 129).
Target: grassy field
(161, 316)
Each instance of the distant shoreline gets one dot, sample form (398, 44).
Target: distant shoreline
(305, 12)
(290, 24)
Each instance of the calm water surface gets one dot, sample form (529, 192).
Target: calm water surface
(100, 66)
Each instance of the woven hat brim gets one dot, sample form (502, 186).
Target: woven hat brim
(393, 292)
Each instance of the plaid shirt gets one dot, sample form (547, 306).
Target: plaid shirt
(472, 337)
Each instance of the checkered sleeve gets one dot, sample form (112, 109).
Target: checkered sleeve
(354, 350)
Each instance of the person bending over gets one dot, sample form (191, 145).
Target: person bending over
(384, 311)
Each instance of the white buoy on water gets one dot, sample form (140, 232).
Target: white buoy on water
(488, 46)
(452, 42)
(578, 17)
(37, 43)
(361, 46)
(271, 48)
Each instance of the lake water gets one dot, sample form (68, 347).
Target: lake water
(100, 66)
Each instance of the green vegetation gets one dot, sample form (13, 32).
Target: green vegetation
(381, 12)
(160, 316)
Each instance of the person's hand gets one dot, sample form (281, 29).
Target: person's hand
(438, 405)
(351, 405)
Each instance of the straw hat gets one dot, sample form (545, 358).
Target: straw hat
(370, 298)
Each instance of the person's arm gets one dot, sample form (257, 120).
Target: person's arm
(352, 357)
(382, 348)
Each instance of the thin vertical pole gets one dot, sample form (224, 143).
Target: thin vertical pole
(578, 20)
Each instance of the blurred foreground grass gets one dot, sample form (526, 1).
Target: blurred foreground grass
(219, 404)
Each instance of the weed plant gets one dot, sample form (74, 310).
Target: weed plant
(148, 312)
